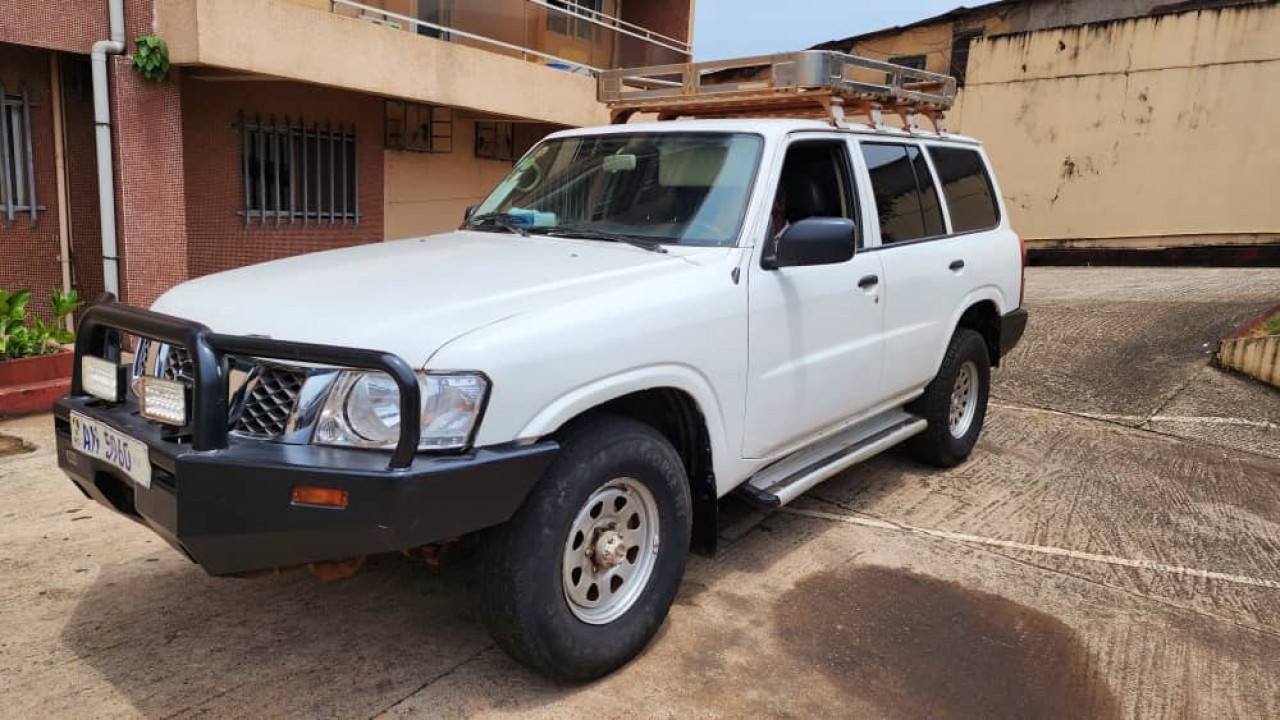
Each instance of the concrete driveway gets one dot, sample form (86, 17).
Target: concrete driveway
(1112, 549)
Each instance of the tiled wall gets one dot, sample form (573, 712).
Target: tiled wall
(217, 237)
(29, 255)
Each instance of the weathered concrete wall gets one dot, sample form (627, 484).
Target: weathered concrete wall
(934, 40)
(340, 52)
(1062, 13)
(1138, 132)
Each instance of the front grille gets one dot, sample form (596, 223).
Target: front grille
(177, 364)
(273, 395)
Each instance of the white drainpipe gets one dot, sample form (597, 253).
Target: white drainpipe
(106, 165)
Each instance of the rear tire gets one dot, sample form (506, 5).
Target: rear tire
(954, 403)
(580, 580)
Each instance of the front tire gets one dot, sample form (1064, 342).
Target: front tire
(954, 403)
(580, 580)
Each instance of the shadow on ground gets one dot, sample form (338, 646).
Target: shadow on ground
(174, 641)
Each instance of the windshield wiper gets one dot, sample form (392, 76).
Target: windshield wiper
(578, 234)
(506, 221)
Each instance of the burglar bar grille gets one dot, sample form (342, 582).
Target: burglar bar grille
(17, 162)
(297, 173)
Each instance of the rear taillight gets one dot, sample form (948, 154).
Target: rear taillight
(1022, 289)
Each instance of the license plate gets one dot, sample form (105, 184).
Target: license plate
(99, 440)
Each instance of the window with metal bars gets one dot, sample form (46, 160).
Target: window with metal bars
(17, 162)
(298, 173)
(495, 140)
(960, 43)
(915, 62)
(418, 127)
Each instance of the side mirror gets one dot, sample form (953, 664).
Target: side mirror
(471, 210)
(813, 241)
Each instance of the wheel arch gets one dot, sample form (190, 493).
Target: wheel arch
(981, 312)
(682, 409)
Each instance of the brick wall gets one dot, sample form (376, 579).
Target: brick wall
(151, 214)
(217, 238)
(82, 177)
(29, 256)
(70, 25)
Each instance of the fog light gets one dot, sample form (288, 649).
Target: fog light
(163, 401)
(102, 378)
(319, 497)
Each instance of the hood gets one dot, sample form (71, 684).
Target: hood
(410, 297)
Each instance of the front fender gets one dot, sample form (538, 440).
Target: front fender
(571, 404)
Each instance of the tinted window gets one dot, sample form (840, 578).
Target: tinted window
(898, 172)
(968, 188)
(930, 206)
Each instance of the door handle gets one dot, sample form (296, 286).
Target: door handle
(869, 281)
(957, 265)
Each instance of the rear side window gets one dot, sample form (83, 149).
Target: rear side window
(967, 187)
(906, 198)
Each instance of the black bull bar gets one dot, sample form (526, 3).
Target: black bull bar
(98, 334)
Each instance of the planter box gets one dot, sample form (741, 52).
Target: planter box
(31, 385)
(1257, 357)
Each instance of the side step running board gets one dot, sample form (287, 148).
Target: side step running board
(789, 478)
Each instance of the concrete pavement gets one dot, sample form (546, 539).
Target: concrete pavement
(1112, 549)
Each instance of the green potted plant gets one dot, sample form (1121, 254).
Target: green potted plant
(35, 358)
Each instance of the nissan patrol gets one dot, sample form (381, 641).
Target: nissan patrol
(639, 320)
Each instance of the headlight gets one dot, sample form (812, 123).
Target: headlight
(363, 410)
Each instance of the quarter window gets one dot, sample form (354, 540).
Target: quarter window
(967, 187)
(906, 199)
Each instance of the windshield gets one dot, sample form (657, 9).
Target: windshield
(680, 188)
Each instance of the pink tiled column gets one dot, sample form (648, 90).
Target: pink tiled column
(150, 189)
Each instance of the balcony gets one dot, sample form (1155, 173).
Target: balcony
(527, 59)
(576, 35)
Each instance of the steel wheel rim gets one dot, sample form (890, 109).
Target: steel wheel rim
(964, 399)
(610, 551)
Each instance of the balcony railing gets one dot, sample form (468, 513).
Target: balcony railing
(560, 34)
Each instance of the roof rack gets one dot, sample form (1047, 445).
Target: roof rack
(809, 83)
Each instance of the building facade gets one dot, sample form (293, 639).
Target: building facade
(1127, 125)
(285, 126)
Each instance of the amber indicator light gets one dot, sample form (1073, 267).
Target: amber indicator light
(319, 497)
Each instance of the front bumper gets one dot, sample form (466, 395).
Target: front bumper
(227, 501)
(231, 510)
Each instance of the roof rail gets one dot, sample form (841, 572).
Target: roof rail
(808, 83)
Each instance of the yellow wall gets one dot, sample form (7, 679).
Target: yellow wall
(1153, 130)
(428, 192)
(932, 41)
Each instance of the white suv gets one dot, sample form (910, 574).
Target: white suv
(638, 321)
